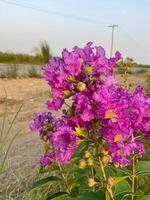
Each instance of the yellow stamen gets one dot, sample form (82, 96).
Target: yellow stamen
(117, 138)
(110, 114)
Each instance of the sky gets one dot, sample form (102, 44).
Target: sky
(67, 23)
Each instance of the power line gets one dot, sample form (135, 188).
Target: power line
(138, 45)
(56, 13)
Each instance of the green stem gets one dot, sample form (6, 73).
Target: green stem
(109, 190)
(133, 174)
(133, 179)
(92, 172)
(64, 178)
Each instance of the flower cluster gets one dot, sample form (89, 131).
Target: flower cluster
(85, 78)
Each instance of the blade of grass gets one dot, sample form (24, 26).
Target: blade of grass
(4, 117)
(12, 122)
(8, 149)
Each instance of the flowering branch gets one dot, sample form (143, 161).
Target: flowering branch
(100, 110)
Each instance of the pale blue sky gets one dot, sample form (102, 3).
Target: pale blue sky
(22, 28)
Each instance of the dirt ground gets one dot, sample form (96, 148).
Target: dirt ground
(22, 166)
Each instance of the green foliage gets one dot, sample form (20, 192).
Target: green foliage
(7, 57)
(143, 167)
(145, 197)
(56, 195)
(46, 180)
(91, 196)
(42, 55)
(73, 182)
(43, 52)
(121, 189)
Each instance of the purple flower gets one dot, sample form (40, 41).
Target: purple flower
(55, 104)
(40, 119)
(46, 160)
(64, 143)
(88, 75)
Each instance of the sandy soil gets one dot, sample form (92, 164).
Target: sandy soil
(22, 165)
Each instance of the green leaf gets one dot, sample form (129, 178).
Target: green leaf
(71, 183)
(143, 167)
(99, 174)
(109, 171)
(107, 196)
(81, 131)
(48, 169)
(119, 179)
(123, 171)
(91, 196)
(81, 148)
(57, 194)
(75, 191)
(145, 197)
(122, 188)
(45, 181)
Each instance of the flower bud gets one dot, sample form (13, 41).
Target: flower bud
(90, 162)
(67, 93)
(81, 86)
(87, 154)
(91, 182)
(116, 165)
(104, 151)
(71, 79)
(45, 138)
(45, 147)
(88, 69)
(105, 160)
(110, 180)
(82, 164)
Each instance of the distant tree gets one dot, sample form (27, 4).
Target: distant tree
(43, 51)
(129, 62)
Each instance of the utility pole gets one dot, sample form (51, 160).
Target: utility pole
(112, 38)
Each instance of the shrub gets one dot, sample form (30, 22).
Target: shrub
(94, 149)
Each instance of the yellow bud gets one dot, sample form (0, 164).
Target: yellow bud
(81, 86)
(90, 162)
(82, 164)
(67, 93)
(116, 165)
(104, 151)
(105, 160)
(88, 69)
(45, 138)
(45, 147)
(91, 182)
(87, 154)
(71, 79)
(118, 138)
(110, 180)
